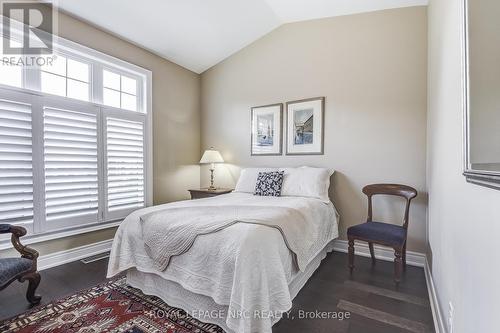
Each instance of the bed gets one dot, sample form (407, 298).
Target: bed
(242, 277)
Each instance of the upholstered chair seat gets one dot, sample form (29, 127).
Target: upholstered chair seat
(385, 233)
(12, 267)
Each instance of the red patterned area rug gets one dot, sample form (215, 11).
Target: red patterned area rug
(112, 307)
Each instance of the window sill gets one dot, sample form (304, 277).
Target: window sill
(32, 239)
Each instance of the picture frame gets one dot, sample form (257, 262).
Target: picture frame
(305, 126)
(267, 130)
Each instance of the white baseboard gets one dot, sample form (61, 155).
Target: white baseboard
(383, 253)
(77, 253)
(436, 310)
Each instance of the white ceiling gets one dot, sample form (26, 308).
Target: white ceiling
(198, 34)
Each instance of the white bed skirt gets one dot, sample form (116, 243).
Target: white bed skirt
(203, 307)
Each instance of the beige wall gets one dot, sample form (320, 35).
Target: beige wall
(371, 68)
(176, 121)
(463, 218)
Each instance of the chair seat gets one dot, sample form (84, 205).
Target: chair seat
(10, 267)
(389, 234)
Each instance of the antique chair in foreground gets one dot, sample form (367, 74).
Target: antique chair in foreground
(21, 269)
(383, 233)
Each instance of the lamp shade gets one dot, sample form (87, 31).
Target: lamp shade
(211, 156)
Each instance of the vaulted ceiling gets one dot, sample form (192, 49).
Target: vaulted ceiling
(198, 34)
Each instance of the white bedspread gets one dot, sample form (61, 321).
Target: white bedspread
(246, 267)
(172, 231)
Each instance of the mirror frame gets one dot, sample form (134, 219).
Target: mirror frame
(489, 179)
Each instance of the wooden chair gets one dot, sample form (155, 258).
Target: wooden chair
(383, 233)
(23, 268)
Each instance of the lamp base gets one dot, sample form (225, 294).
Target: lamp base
(212, 187)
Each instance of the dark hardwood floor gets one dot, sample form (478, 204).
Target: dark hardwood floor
(370, 296)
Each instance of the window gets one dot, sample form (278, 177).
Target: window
(125, 164)
(66, 77)
(10, 73)
(73, 142)
(16, 170)
(70, 158)
(120, 91)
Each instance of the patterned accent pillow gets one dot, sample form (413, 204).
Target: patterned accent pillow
(269, 183)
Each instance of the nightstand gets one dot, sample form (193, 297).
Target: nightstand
(206, 193)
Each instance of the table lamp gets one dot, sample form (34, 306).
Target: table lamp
(211, 156)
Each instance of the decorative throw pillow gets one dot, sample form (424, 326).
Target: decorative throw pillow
(269, 183)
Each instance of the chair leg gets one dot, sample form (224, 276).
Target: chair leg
(404, 257)
(372, 252)
(351, 255)
(33, 282)
(398, 265)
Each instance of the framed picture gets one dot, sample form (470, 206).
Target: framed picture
(305, 127)
(266, 130)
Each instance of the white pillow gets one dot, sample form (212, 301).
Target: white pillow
(307, 182)
(248, 179)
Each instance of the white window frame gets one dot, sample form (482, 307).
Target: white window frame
(31, 87)
(139, 88)
(59, 102)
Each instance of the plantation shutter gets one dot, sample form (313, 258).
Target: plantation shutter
(125, 166)
(71, 167)
(16, 169)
